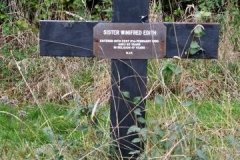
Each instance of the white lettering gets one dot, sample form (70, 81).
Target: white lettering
(131, 32)
(129, 52)
(140, 47)
(106, 40)
(149, 32)
(110, 32)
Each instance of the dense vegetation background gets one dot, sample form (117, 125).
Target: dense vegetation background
(46, 103)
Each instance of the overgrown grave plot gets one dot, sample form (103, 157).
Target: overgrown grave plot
(129, 69)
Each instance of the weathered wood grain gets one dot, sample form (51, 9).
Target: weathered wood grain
(61, 38)
(130, 76)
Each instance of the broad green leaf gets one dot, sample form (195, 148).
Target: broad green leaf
(206, 14)
(194, 44)
(198, 29)
(133, 128)
(159, 100)
(141, 120)
(143, 133)
(178, 70)
(136, 100)
(193, 51)
(136, 140)
(126, 94)
(159, 131)
(199, 35)
(198, 15)
(25, 25)
(137, 111)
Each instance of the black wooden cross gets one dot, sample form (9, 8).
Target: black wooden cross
(68, 38)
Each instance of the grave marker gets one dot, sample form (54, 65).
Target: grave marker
(69, 38)
(129, 41)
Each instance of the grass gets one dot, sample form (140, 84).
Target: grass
(207, 128)
(64, 131)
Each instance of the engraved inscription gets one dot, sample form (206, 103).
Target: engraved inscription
(138, 41)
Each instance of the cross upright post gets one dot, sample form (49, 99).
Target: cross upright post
(128, 70)
(127, 75)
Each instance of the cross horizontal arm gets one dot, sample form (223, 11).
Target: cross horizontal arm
(68, 38)
(65, 38)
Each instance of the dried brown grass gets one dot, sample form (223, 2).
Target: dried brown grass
(51, 79)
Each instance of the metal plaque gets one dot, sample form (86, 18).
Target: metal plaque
(129, 40)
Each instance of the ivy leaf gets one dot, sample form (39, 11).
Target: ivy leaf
(136, 100)
(137, 111)
(194, 44)
(126, 94)
(193, 51)
(198, 31)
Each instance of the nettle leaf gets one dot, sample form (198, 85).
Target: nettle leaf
(133, 128)
(137, 111)
(126, 94)
(136, 100)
